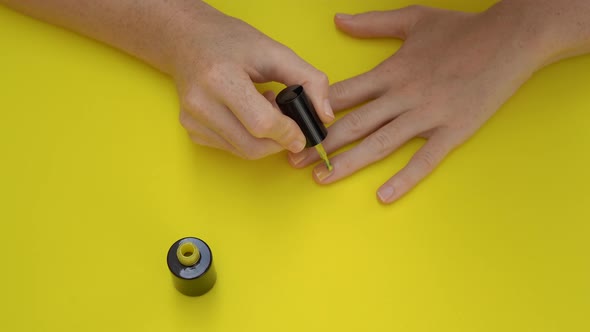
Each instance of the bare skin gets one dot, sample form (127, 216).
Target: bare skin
(452, 73)
(214, 60)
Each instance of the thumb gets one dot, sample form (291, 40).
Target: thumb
(393, 23)
(287, 67)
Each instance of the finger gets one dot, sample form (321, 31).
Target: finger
(376, 24)
(352, 127)
(222, 121)
(202, 135)
(356, 90)
(421, 164)
(373, 148)
(206, 142)
(271, 97)
(287, 67)
(258, 115)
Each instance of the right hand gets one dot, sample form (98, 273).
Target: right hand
(217, 59)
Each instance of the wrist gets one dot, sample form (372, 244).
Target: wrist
(524, 33)
(186, 36)
(547, 30)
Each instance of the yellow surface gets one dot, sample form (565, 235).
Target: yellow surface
(95, 167)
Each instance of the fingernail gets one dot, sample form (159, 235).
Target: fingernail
(328, 110)
(385, 193)
(297, 146)
(341, 16)
(297, 158)
(321, 172)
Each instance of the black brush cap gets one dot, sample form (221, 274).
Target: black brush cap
(294, 103)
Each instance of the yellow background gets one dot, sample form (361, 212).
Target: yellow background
(98, 179)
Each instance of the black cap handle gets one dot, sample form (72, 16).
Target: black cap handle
(294, 103)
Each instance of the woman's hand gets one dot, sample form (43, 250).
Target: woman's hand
(217, 60)
(214, 60)
(452, 73)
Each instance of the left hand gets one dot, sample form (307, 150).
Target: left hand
(452, 73)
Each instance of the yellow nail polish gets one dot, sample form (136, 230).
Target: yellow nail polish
(324, 156)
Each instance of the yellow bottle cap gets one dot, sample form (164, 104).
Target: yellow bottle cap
(188, 254)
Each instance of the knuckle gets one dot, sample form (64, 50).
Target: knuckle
(380, 143)
(193, 105)
(195, 108)
(215, 74)
(355, 123)
(261, 127)
(214, 69)
(322, 79)
(288, 133)
(279, 52)
(191, 102)
(426, 160)
(339, 89)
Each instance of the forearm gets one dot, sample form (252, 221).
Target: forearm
(146, 29)
(556, 29)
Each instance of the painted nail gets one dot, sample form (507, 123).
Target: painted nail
(341, 16)
(296, 146)
(385, 193)
(328, 110)
(321, 172)
(297, 158)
